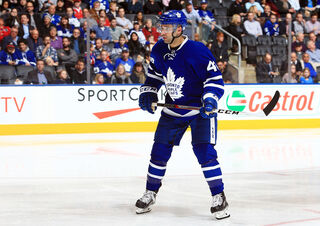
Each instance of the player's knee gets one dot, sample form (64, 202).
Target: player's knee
(161, 153)
(204, 152)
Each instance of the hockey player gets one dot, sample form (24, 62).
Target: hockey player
(190, 74)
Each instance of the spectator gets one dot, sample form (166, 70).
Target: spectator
(265, 70)
(306, 78)
(313, 25)
(219, 49)
(290, 79)
(119, 46)
(313, 38)
(123, 22)
(135, 47)
(112, 14)
(99, 48)
(67, 56)
(138, 31)
(103, 32)
(102, 14)
(284, 25)
(99, 79)
(307, 64)
(4, 30)
(314, 53)
(35, 18)
(56, 41)
(87, 17)
(39, 75)
(115, 31)
(126, 61)
(34, 40)
(149, 30)
(103, 4)
(47, 53)
(44, 28)
(55, 19)
(45, 4)
(120, 76)
(295, 4)
(138, 73)
(309, 6)
(294, 61)
(236, 28)
(298, 51)
(284, 7)
(77, 10)
(299, 42)
(226, 74)
(93, 37)
(176, 4)
(94, 11)
(61, 8)
(251, 3)
(266, 14)
(72, 19)
(12, 19)
(104, 67)
(79, 73)
(237, 7)
(140, 19)
(299, 24)
(77, 43)
(13, 37)
(24, 27)
(257, 13)
(192, 18)
(64, 29)
(252, 26)
(5, 7)
(11, 56)
(152, 7)
(28, 57)
(22, 7)
(208, 20)
(62, 78)
(134, 6)
(271, 27)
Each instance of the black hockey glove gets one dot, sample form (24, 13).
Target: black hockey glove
(148, 95)
(210, 103)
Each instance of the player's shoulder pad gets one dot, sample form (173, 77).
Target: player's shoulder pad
(202, 49)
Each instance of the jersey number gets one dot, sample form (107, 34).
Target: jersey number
(212, 65)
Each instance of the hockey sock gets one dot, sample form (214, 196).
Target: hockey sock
(157, 167)
(213, 175)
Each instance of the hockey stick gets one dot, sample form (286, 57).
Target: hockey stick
(266, 111)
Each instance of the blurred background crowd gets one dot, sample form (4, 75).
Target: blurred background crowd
(109, 42)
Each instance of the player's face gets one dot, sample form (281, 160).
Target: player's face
(166, 32)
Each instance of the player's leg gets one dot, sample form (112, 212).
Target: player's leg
(204, 135)
(169, 133)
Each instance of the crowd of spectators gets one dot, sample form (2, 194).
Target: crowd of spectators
(45, 41)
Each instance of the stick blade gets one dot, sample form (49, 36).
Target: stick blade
(267, 110)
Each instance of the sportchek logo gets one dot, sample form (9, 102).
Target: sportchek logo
(289, 101)
(236, 101)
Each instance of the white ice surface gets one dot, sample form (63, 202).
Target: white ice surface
(271, 178)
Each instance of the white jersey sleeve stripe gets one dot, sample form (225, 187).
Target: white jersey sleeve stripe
(155, 77)
(213, 85)
(214, 78)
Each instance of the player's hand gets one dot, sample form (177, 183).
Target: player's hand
(209, 105)
(146, 99)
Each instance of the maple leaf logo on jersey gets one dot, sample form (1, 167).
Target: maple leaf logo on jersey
(174, 87)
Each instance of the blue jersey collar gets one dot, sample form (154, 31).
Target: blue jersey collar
(184, 42)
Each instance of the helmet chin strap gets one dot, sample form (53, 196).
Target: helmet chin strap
(174, 37)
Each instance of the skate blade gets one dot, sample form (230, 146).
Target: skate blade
(222, 214)
(141, 211)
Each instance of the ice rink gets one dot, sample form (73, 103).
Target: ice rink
(272, 177)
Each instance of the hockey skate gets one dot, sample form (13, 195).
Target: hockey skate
(220, 207)
(144, 203)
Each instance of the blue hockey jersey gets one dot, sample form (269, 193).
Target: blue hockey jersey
(189, 73)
